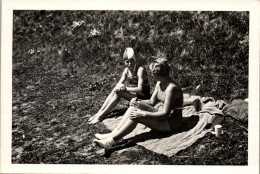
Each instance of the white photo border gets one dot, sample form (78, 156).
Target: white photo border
(253, 6)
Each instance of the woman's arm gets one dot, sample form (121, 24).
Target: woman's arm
(140, 75)
(123, 77)
(171, 94)
(152, 101)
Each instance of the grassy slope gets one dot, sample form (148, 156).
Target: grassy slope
(53, 89)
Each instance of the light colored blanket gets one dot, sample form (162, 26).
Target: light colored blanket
(193, 128)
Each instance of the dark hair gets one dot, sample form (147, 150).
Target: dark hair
(160, 67)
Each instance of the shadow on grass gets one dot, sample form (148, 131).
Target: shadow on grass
(188, 124)
(116, 113)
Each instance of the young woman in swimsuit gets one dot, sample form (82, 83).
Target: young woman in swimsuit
(162, 112)
(133, 83)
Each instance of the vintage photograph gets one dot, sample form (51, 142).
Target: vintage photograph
(153, 87)
(130, 87)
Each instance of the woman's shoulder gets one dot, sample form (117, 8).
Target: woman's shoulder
(173, 87)
(125, 70)
(141, 68)
(142, 71)
(157, 84)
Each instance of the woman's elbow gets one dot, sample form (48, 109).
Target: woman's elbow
(151, 101)
(140, 88)
(166, 113)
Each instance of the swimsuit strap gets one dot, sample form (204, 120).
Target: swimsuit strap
(177, 108)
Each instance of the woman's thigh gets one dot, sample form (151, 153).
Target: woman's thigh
(156, 124)
(146, 107)
(159, 125)
(126, 95)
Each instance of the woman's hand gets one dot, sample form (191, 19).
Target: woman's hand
(120, 87)
(137, 113)
(134, 103)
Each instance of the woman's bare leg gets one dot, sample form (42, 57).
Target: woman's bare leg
(100, 115)
(120, 124)
(142, 106)
(124, 127)
(127, 125)
(125, 117)
(112, 104)
(196, 103)
(109, 97)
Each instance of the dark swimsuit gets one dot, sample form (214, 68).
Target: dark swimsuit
(175, 117)
(133, 82)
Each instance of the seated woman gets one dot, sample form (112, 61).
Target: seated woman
(163, 112)
(136, 79)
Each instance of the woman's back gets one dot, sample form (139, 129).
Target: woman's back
(178, 95)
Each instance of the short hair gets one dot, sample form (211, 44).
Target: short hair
(160, 67)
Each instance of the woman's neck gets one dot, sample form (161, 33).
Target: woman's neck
(165, 80)
(133, 69)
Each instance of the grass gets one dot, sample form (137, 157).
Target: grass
(66, 62)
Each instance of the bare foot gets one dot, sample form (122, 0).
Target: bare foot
(91, 118)
(102, 136)
(105, 143)
(95, 120)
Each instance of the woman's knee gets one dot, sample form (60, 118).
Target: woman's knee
(114, 91)
(119, 93)
(128, 111)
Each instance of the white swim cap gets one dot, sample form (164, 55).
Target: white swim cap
(129, 53)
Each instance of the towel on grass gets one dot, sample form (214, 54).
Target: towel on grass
(194, 127)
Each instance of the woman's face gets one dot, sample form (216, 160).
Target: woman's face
(130, 63)
(155, 76)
